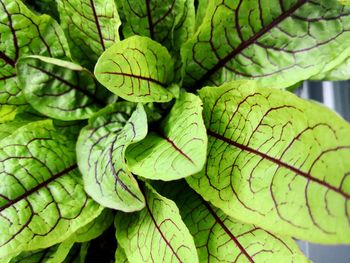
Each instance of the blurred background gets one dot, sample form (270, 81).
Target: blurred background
(335, 95)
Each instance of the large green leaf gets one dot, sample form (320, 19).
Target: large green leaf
(340, 72)
(59, 89)
(136, 69)
(101, 148)
(278, 43)
(168, 22)
(178, 146)
(42, 199)
(276, 161)
(221, 238)
(91, 27)
(24, 33)
(155, 234)
(54, 254)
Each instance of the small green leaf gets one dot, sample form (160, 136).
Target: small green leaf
(136, 69)
(155, 234)
(91, 27)
(54, 254)
(24, 33)
(42, 199)
(177, 148)
(101, 148)
(276, 161)
(221, 238)
(120, 256)
(58, 88)
(277, 43)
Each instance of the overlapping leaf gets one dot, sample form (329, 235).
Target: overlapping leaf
(220, 238)
(120, 256)
(155, 234)
(136, 69)
(178, 149)
(168, 22)
(59, 89)
(101, 148)
(91, 27)
(42, 199)
(24, 33)
(276, 161)
(341, 72)
(278, 43)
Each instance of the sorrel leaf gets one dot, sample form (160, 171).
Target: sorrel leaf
(341, 72)
(24, 33)
(42, 199)
(266, 144)
(59, 89)
(136, 69)
(278, 43)
(120, 256)
(100, 151)
(91, 27)
(156, 233)
(221, 238)
(178, 146)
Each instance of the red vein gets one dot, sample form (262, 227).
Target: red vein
(134, 76)
(97, 24)
(36, 188)
(278, 162)
(178, 149)
(149, 17)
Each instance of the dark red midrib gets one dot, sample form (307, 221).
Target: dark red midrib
(7, 59)
(97, 24)
(247, 43)
(277, 161)
(227, 231)
(157, 227)
(133, 76)
(149, 18)
(39, 186)
(82, 90)
(177, 148)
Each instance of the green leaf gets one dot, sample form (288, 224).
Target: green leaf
(168, 22)
(91, 27)
(155, 234)
(341, 72)
(101, 149)
(7, 113)
(344, 2)
(120, 256)
(200, 14)
(54, 254)
(221, 238)
(24, 33)
(276, 161)
(58, 88)
(278, 43)
(44, 7)
(42, 199)
(177, 148)
(78, 253)
(136, 69)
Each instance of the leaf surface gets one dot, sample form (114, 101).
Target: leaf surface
(177, 149)
(278, 43)
(136, 69)
(101, 150)
(24, 33)
(221, 238)
(340, 72)
(155, 234)
(59, 89)
(276, 161)
(42, 199)
(91, 27)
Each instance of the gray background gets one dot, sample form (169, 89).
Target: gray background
(335, 95)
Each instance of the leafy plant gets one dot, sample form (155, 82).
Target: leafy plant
(104, 104)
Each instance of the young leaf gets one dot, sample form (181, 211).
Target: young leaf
(276, 161)
(91, 27)
(168, 22)
(341, 72)
(178, 149)
(120, 256)
(100, 151)
(24, 33)
(136, 69)
(155, 234)
(42, 199)
(278, 43)
(221, 238)
(54, 254)
(59, 89)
